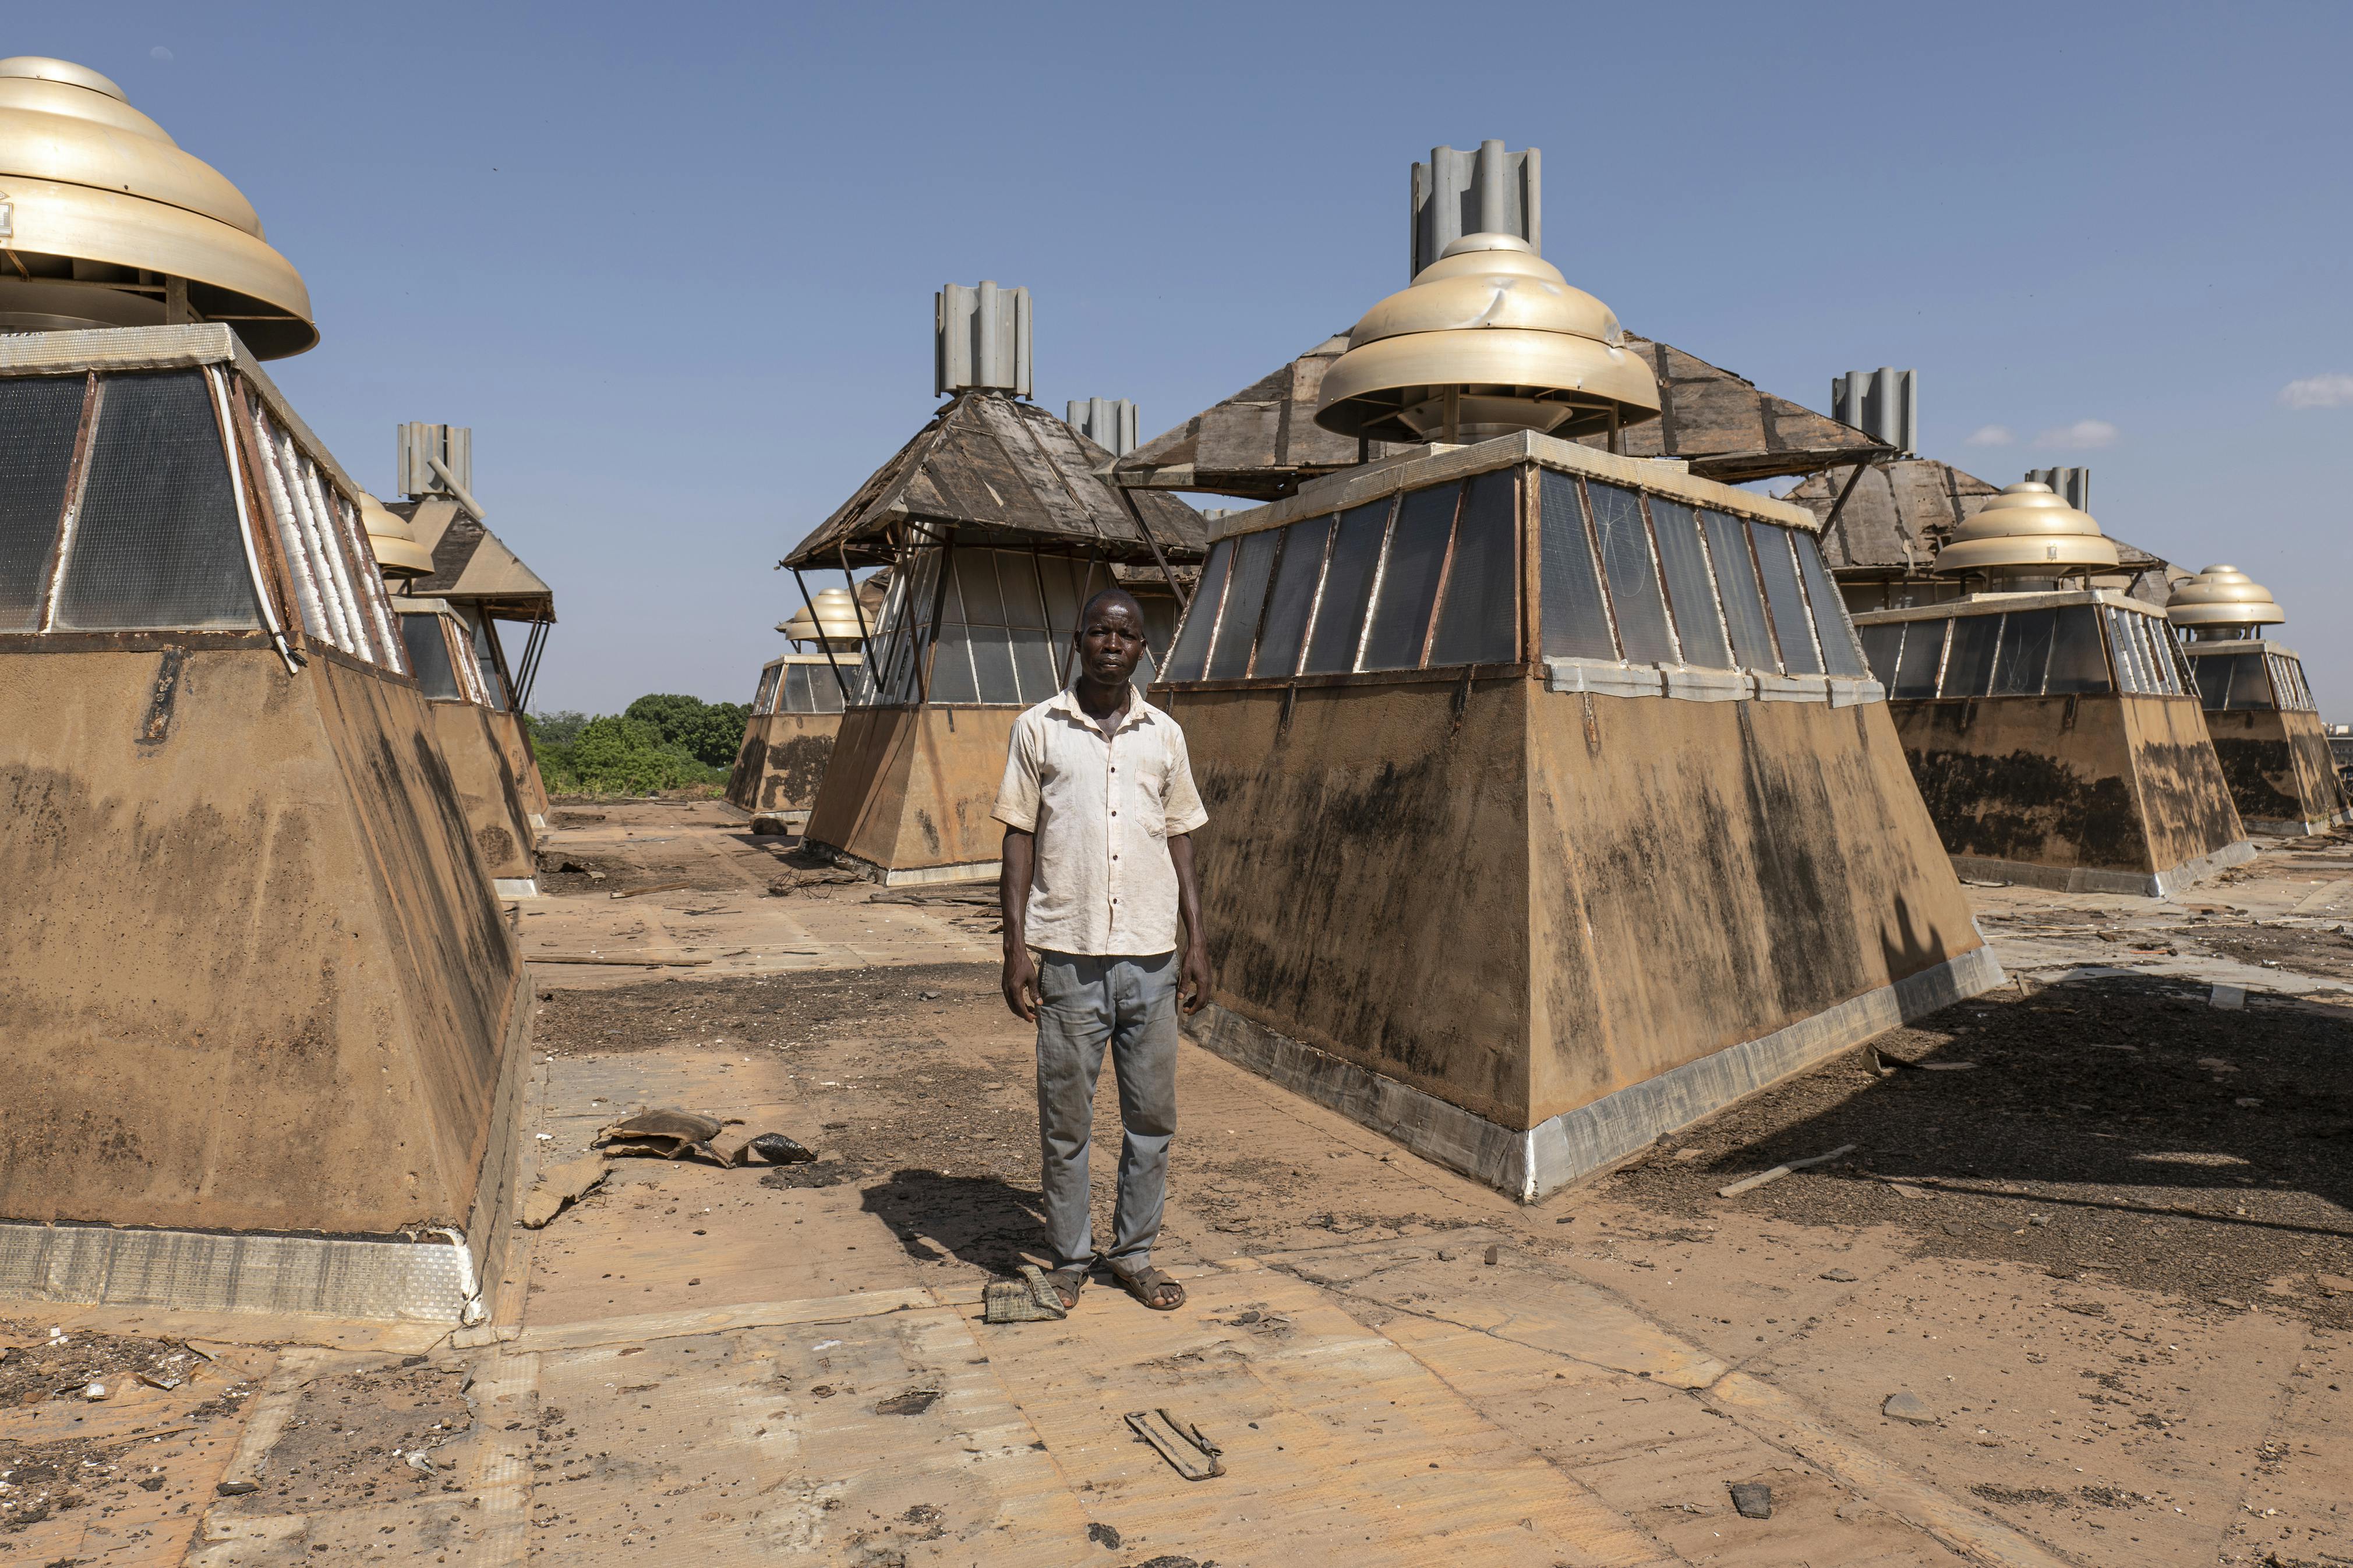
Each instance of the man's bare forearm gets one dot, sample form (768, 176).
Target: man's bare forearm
(1193, 971)
(1019, 860)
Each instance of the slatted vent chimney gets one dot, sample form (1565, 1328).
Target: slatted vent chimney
(1486, 191)
(1882, 404)
(982, 340)
(1108, 422)
(2075, 484)
(420, 445)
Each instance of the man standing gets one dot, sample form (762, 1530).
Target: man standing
(1099, 808)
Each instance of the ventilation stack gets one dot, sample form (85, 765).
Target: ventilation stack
(1551, 807)
(997, 527)
(2050, 723)
(798, 706)
(2268, 737)
(482, 584)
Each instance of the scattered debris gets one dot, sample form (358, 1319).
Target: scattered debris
(657, 887)
(914, 1402)
(615, 960)
(2233, 997)
(1026, 1300)
(1493, 1254)
(983, 894)
(769, 824)
(1103, 1535)
(778, 1150)
(1906, 1406)
(1750, 1183)
(558, 1188)
(663, 1134)
(1753, 1498)
(1190, 1453)
(792, 881)
(1841, 1276)
(94, 1391)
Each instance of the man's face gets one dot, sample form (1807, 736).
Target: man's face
(1110, 643)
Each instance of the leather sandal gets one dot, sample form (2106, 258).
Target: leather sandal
(1068, 1283)
(1156, 1288)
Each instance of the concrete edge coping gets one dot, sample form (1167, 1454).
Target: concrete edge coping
(2099, 879)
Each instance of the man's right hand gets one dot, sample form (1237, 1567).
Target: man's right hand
(1022, 984)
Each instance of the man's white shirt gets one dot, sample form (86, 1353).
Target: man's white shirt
(1103, 808)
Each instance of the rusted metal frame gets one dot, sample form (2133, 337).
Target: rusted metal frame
(535, 645)
(53, 565)
(824, 641)
(151, 640)
(490, 635)
(925, 655)
(1445, 574)
(265, 589)
(1225, 592)
(1529, 510)
(1315, 598)
(1615, 444)
(1584, 517)
(1659, 571)
(1380, 579)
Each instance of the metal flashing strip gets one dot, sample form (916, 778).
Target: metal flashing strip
(1578, 1143)
(2096, 879)
(1610, 677)
(425, 1280)
(515, 886)
(84, 349)
(913, 876)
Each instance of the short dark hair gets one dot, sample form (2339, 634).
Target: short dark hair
(1116, 596)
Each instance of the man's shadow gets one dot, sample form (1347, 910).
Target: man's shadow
(980, 1220)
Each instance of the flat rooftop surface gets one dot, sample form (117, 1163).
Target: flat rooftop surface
(2097, 1223)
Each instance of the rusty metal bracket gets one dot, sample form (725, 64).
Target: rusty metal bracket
(155, 726)
(1188, 1453)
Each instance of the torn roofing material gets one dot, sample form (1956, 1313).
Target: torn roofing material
(1263, 443)
(471, 563)
(1005, 471)
(1902, 512)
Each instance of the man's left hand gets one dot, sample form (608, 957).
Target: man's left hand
(1193, 980)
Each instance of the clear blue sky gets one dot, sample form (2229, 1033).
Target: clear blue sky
(674, 264)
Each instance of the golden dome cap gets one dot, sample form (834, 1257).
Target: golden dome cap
(397, 553)
(2223, 596)
(2028, 531)
(1488, 339)
(93, 191)
(835, 612)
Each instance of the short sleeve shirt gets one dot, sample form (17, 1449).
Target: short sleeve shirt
(1103, 808)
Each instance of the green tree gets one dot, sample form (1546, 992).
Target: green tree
(710, 732)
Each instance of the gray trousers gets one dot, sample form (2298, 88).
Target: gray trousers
(1086, 1003)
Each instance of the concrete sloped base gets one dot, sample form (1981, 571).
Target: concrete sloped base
(908, 792)
(781, 763)
(1529, 931)
(488, 788)
(255, 977)
(2105, 793)
(507, 729)
(2282, 776)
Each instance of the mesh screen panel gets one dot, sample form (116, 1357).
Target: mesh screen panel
(1633, 580)
(493, 684)
(1294, 597)
(1969, 667)
(1409, 578)
(1923, 656)
(1831, 628)
(1880, 646)
(2213, 682)
(1191, 655)
(1576, 614)
(1253, 564)
(2130, 666)
(2024, 653)
(2251, 683)
(1479, 621)
(38, 418)
(1736, 579)
(1035, 664)
(1691, 593)
(763, 699)
(952, 677)
(1347, 589)
(2077, 663)
(992, 664)
(798, 697)
(156, 541)
(429, 656)
(1793, 627)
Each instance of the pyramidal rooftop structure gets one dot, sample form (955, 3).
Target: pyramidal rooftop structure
(265, 1013)
(2050, 722)
(1551, 806)
(996, 526)
(481, 585)
(796, 709)
(2266, 728)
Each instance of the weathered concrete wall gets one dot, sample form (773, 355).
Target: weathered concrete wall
(782, 761)
(487, 787)
(1711, 872)
(1519, 902)
(252, 973)
(2278, 766)
(521, 761)
(2109, 783)
(910, 788)
(1365, 876)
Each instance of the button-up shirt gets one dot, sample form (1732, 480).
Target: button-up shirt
(1104, 807)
